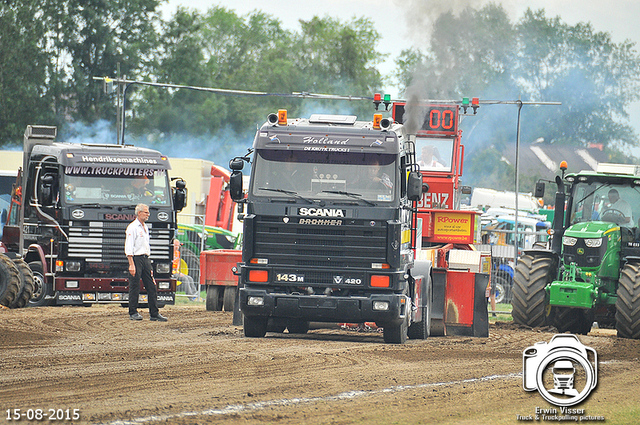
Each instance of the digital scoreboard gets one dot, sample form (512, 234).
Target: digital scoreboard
(441, 120)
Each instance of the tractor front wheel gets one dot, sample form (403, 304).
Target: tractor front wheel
(628, 302)
(529, 298)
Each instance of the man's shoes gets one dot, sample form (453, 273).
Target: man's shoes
(158, 318)
(135, 316)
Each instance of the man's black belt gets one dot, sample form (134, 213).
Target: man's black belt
(141, 255)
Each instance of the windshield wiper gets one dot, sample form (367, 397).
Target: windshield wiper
(292, 193)
(594, 191)
(351, 195)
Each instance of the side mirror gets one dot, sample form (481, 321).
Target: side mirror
(414, 186)
(235, 185)
(236, 164)
(180, 195)
(539, 192)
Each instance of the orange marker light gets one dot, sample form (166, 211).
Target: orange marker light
(282, 117)
(376, 121)
(563, 165)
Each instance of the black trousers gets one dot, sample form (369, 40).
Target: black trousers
(143, 271)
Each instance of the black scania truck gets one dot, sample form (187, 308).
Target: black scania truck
(329, 227)
(69, 215)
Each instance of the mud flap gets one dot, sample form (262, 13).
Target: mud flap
(480, 311)
(237, 313)
(437, 302)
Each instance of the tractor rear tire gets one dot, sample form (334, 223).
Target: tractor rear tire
(9, 281)
(628, 302)
(26, 284)
(529, 298)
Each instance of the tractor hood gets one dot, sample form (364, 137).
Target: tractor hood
(591, 229)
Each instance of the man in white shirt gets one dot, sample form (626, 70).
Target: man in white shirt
(138, 248)
(619, 210)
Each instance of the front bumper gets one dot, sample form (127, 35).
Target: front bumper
(320, 308)
(88, 297)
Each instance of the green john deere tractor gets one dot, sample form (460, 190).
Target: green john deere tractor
(592, 271)
(190, 236)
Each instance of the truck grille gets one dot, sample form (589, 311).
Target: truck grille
(354, 245)
(97, 241)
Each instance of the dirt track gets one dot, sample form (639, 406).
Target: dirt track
(198, 368)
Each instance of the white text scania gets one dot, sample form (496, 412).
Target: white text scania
(321, 212)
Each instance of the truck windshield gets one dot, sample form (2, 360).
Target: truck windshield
(109, 186)
(325, 175)
(606, 202)
(434, 154)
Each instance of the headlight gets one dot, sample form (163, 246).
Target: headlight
(73, 266)
(164, 285)
(569, 241)
(163, 268)
(381, 306)
(593, 243)
(255, 301)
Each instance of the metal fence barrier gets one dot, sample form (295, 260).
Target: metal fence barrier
(192, 244)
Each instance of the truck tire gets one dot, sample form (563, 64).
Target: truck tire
(26, 284)
(529, 298)
(255, 326)
(229, 299)
(574, 320)
(41, 289)
(298, 327)
(628, 302)
(214, 298)
(9, 281)
(422, 329)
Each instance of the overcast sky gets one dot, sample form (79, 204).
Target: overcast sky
(405, 23)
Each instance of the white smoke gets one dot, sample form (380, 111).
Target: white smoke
(98, 132)
(218, 148)
(421, 15)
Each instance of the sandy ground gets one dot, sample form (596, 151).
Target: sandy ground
(198, 368)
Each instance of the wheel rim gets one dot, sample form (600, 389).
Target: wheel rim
(38, 286)
(499, 293)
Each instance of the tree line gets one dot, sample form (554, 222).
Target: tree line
(50, 50)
